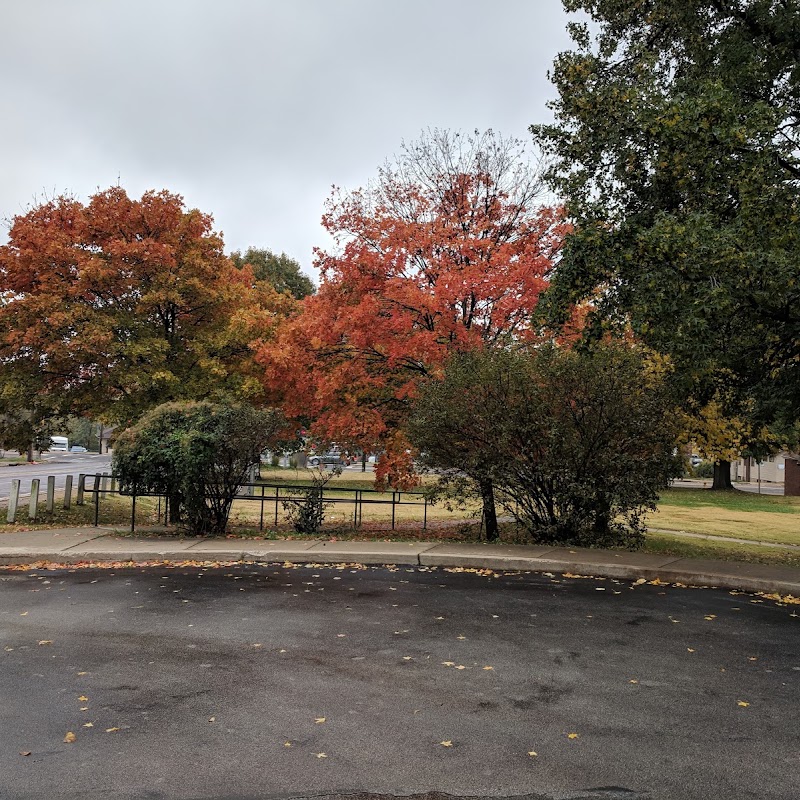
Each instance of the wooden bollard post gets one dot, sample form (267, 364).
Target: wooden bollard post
(67, 491)
(80, 489)
(33, 505)
(104, 484)
(13, 502)
(51, 494)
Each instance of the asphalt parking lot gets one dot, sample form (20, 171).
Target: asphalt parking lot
(271, 681)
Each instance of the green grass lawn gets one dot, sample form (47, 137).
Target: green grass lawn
(742, 515)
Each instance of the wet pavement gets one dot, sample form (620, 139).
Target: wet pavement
(268, 681)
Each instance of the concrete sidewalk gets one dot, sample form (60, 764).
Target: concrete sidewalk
(81, 545)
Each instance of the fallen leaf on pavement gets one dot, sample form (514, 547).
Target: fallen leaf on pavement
(486, 668)
(319, 720)
(446, 743)
(321, 755)
(111, 730)
(88, 724)
(287, 744)
(742, 703)
(572, 736)
(70, 737)
(24, 752)
(46, 641)
(83, 699)
(532, 753)
(448, 663)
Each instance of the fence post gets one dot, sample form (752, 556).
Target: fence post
(81, 489)
(425, 514)
(13, 501)
(261, 518)
(97, 499)
(104, 482)
(33, 505)
(51, 494)
(67, 491)
(393, 508)
(133, 512)
(277, 492)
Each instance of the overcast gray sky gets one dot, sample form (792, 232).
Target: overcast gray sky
(252, 109)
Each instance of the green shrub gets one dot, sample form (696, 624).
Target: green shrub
(195, 454)
(574, 444)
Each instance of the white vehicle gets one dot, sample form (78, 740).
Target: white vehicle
(59, 444)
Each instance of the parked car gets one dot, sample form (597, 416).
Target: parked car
(76, 448)
(331, 457)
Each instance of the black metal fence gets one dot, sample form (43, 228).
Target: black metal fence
(270, 497)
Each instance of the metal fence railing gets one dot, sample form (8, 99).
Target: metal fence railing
(270, 498)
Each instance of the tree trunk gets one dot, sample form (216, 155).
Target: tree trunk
(722, 475)
(489, 510)
(174, 509)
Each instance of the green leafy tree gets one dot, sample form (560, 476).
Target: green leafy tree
(280, 271)
(676, 146)
(197, 454)
(576, 443)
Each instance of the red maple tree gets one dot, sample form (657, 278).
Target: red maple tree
(448, 250)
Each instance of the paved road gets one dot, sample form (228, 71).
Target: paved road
(250, 682)
(60, 465)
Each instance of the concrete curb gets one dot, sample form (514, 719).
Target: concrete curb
(92, 545)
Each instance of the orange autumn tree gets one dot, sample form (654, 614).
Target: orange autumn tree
(448, 250)
(112, 307)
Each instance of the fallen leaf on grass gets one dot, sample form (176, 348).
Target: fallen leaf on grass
(70, 737)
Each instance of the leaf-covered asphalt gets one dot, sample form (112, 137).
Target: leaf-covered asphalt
(252, 682)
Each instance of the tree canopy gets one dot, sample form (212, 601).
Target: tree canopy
(110, 308)
(447, 250)
(676, 147)
(280, 271)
